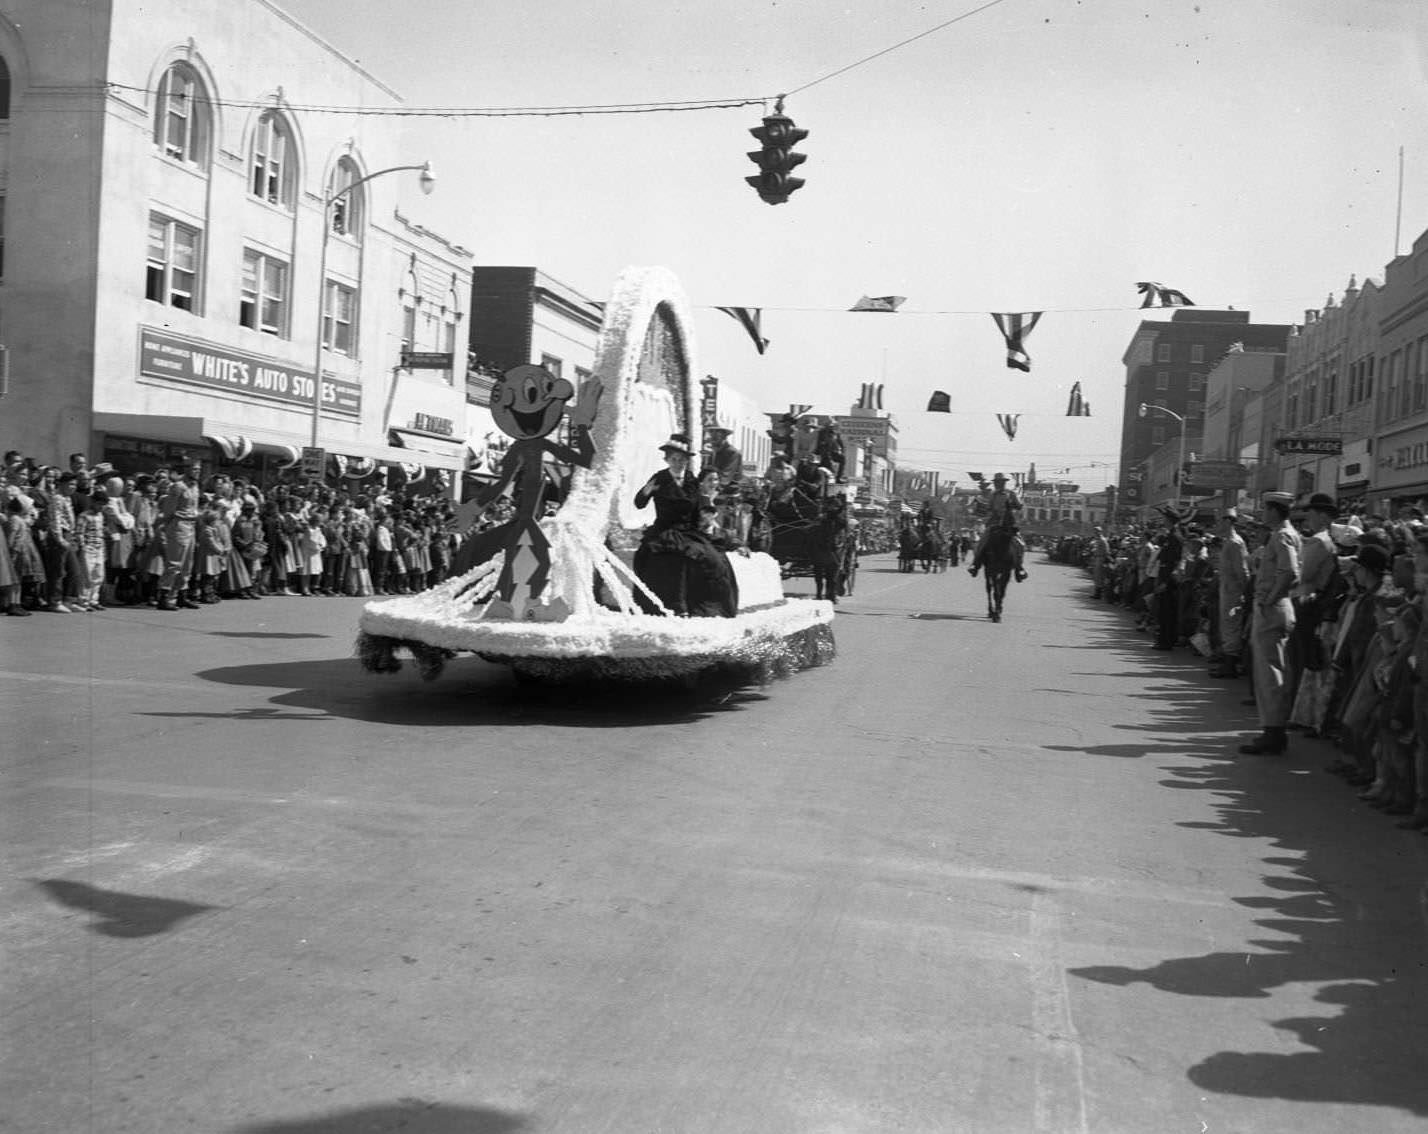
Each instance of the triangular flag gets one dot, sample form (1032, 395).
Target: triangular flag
(879, 303)
(1015, 327)
(1077, 406)
(1008, 423)
(798, 409)
(751, 319)
(872, 396)
(1158, 295)
(940, 402)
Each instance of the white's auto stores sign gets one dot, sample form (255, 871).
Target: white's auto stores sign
(174, 358)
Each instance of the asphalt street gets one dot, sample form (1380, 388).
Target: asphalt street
(969, 877)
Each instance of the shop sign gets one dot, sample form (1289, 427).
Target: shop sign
(708, 410)
(1217, 475)
(426, 360)
(1330, 445)
(173, 358)
(313, 461)
(427, 423)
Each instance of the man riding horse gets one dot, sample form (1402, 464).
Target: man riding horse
(1002, 509)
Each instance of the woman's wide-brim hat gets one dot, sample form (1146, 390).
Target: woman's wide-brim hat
(677, 443)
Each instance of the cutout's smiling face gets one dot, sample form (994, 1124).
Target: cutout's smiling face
(528, 401)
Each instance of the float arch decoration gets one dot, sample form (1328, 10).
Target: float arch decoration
(590, 622)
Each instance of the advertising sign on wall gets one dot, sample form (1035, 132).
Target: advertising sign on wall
(191, 362)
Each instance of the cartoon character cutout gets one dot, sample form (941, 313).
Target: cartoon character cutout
(527, 403)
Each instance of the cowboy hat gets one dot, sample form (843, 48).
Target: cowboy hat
(1322, 502)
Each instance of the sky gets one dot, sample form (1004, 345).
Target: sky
(1036, 155)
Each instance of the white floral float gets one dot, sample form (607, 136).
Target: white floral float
(588, 621)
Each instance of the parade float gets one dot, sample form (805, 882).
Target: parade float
(555, 596)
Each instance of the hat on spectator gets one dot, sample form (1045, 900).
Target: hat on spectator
(719, 430)
(1323, 502)
(1284, 500)
(1345, 535)
(677, 443)
(1373, 557)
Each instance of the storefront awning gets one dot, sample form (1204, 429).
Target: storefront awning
(203, 431)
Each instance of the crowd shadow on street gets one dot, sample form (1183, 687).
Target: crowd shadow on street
(411, 1116)
(1343, 899)
(475, 692)
(117, 914)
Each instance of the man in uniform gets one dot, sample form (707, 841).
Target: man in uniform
(1002, 510)
(1276, 575)
(178, 520)
(1100, 550)
(1234, 577)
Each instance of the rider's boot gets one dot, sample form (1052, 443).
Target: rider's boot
(975, 567)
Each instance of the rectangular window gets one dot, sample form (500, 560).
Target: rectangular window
(1420, 376)
(339, 316)
(1331, 390)
(1291, 410)
(551, 363)
(268, 162)
(1162, 352)
(1196, 382)
(172, 273)
(1162, 380)
(263, 305)
(408, 328)
(1197, 352)
(1311, 401)
(177, 109)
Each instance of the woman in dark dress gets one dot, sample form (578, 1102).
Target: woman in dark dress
(677, 561)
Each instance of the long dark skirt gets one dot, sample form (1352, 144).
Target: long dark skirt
(687, 573)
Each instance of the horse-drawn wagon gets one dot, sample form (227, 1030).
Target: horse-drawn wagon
(811, 538)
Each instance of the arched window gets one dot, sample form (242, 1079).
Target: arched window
(273, 169)
(183, 117)
(410, 297)
(450, 317)
(348, 212)
(4, 89)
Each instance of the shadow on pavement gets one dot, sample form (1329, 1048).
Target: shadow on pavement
(472, 692)
(1345, 902)
(261, 634)
(411, 1116)
(118, 914)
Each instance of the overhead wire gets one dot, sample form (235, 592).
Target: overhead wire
(654, 106)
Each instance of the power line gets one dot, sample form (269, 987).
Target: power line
(894, 47)
(651, 107)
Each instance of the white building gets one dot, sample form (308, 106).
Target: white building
(162, 293)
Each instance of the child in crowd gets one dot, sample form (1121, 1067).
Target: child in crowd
(91, 540)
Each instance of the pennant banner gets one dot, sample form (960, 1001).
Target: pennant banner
(1008, 423)
(1158, 295)
(751, 319)
(798, 409)
(872, 396)
(941, 402)
(879, 303)
(1078, 406)
(1015, 327)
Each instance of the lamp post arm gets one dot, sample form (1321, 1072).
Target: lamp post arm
(428, 179)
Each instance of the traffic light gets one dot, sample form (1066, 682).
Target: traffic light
(776, 160)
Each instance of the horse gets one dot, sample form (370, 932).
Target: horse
(932, 551)
(828, 552)
(908, 546)
(997, 566)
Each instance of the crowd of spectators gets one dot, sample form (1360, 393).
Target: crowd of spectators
(82, 538)
(1356, 646)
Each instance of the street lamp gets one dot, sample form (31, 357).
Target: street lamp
(428, 183)
(1180, 466)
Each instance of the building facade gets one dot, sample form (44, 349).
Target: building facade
(197, 271)
(1167, 364)
(1400, 449)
